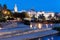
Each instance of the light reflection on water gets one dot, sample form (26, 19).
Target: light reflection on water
(51, 37)
(46, 25)
(40, 25)
(56, 37)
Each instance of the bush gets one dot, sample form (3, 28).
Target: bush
(2, 20)
(26, 22)
(10, 18)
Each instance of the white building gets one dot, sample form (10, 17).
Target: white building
(46, 14)
(39, 13)
(31, 13)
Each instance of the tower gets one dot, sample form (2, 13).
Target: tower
(15, 8)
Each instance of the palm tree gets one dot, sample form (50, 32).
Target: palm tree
(4, 6)
(42, 17)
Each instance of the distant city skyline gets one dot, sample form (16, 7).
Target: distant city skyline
(38, 5)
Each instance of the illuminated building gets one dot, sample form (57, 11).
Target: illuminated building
(15, 8)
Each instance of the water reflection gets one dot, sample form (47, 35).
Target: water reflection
(39, 39)
(45, 38)
(31, 25)
(36, 25)
(40, 25)
(52, 38)
(46, 25)
(51, 24)
(48, 39)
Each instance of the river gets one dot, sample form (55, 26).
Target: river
(50, 37)
(32, 26)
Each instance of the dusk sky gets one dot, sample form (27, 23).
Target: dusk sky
(38, 5)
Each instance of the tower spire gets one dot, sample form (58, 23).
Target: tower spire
(15, 8)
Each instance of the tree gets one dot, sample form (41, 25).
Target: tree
(21, 15)
(4, 6)
(50, 17)
(42, 17)
(9, 12)
(0, 7)
(2, 19)
(25, 15)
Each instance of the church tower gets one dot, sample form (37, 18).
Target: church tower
(15, 8)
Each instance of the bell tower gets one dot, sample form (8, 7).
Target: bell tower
(15, 8)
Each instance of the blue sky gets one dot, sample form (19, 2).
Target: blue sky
(38, 5)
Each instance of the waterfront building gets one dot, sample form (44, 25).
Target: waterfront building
(51, 14)
(31, 13)
(40, 13)
(46, 14)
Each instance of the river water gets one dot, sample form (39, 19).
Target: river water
(51, 37)
(23, 27)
